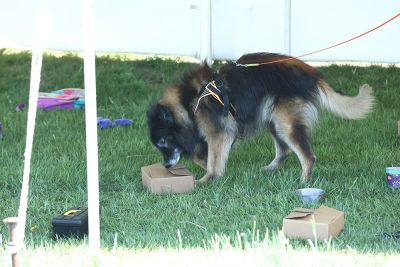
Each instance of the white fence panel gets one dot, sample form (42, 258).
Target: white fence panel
(237, 27)
(320, 23)
(240, 27)
(151, 26)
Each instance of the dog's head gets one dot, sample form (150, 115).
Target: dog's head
(167, 135)
(176, 135)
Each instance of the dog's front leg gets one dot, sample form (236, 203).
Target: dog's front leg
(219, 146)
(201, 162)
(200, 154)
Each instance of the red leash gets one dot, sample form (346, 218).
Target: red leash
(326, 48)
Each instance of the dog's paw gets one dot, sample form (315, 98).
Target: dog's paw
(270, 168)
(204, 179)
(199, 182)
(305, 180)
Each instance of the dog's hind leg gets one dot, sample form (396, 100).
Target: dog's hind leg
(299, 142)
(294, 129)
(282, 151)
(219, 146)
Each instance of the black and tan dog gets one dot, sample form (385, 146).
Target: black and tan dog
(204, 114)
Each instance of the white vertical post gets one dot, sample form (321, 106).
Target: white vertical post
(288, 27)
(33, 98)
(91, 129)
(36, 67)
(205, 31)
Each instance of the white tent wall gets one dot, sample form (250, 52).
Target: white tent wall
(320, 23)
(240, 27)
(237, 27)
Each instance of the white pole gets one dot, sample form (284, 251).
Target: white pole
(91, 129)
(288, 27)
(205, 31)
(36, 67)
(33, 98)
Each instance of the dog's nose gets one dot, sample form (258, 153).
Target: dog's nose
(167, 165)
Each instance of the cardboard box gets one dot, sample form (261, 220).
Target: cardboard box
(162, 180)
(303, 223)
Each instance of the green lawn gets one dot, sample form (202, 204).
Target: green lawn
(352, 156)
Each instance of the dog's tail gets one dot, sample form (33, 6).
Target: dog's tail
(348, 107)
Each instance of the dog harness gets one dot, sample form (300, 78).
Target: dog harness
(216, 89)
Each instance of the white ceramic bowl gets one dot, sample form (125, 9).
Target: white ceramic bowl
(310, 195)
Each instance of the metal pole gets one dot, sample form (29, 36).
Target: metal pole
(13, 247)
(288, 27)
(205, 31)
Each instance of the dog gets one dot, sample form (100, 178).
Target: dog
(202, 115)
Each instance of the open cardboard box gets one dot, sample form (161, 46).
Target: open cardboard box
(323, 222)
(159, 179)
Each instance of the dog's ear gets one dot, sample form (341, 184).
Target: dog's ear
(206, 66)
(160, 114)
(167, 115)
(205, 72)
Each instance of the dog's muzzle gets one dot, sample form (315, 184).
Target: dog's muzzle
(174, 159)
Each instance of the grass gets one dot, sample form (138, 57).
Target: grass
(352, 156)
(272, 251)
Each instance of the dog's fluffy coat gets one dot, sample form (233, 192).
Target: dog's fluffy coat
(283, 97)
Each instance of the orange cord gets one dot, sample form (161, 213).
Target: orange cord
(326, 48)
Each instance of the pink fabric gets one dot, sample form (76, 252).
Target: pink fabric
(62, 99)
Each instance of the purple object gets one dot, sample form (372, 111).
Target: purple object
(104, 123)
(62, 99)
(49, 104)
(107, 123)
(20, 106)
(123, 122)
(393, 176)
